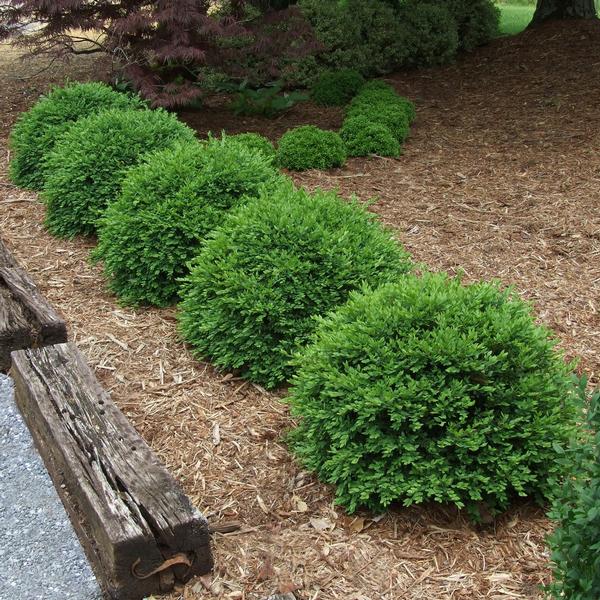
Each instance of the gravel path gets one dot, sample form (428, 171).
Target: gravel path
(40, 556)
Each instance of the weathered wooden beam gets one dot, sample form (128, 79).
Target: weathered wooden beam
(139, 530)
(6, 257)
(26, 318)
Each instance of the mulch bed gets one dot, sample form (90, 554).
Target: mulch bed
(500, 179)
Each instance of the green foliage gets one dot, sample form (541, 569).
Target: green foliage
(36, 131)
(366, 36)
(275, 264)
(256, 142)
(89, 162)
(433, 33)
(266, 101)
(377, 84)
(377, 92)
(380, 36)
(308, 147)
(576, 542)
(478, 21)
(167, 206)
(428, 390)
(391, 115)
(336, 88)
(363, 137)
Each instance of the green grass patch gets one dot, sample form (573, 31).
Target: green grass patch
(514, 17)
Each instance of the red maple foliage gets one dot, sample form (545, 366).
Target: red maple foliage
(161, 45)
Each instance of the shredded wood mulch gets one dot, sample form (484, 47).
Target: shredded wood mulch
(500, 179)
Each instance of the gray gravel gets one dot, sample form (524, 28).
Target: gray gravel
(40, 555)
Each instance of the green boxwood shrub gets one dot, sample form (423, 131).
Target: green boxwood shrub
(433, 33)
(428, 390)
(370, 99)
(576, 541)
(379, 92)
(308, 147)
(256, 142)
(378, 84)
(167, 206)
(36, 131)
(89, 162)
(393, 116)
(336, 88)
(278, 262)
(363, 137)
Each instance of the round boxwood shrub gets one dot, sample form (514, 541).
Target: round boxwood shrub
(308, 147)
(89, 161)
(36, 131)
(278, 262)
(363, 137)
(336, 88)
(428, 390)
(368, 98)
(390, 115)
(376, 94)
(379, 85)
(168, 204)
(256, 142)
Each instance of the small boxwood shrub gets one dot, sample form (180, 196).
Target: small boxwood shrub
(336, 88)
(257, 142)
(36, 131)
(89, 162)
(363, 137)
(576, 541)
(379, 85)
(167, 206)
(428, 390)
(379, 92)
(392, 116)
(308, 147)
(278, 262)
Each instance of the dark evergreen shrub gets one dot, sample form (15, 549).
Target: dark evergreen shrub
(167, 206)
(36, 131)
(478, 21)
(391, 115)
(428, 390)
(308, 147)
(278, 262)
(576, 542)
(365, 36)
(363, 137)
(433, 33)
(257, 142)
(89, 162)
(336, 88)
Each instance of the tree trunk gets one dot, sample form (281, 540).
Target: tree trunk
(563, 9)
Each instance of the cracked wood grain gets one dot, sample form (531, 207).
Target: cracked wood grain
(129, 512)
(26, 318)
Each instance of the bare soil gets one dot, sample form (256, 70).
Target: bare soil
(500, 179)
